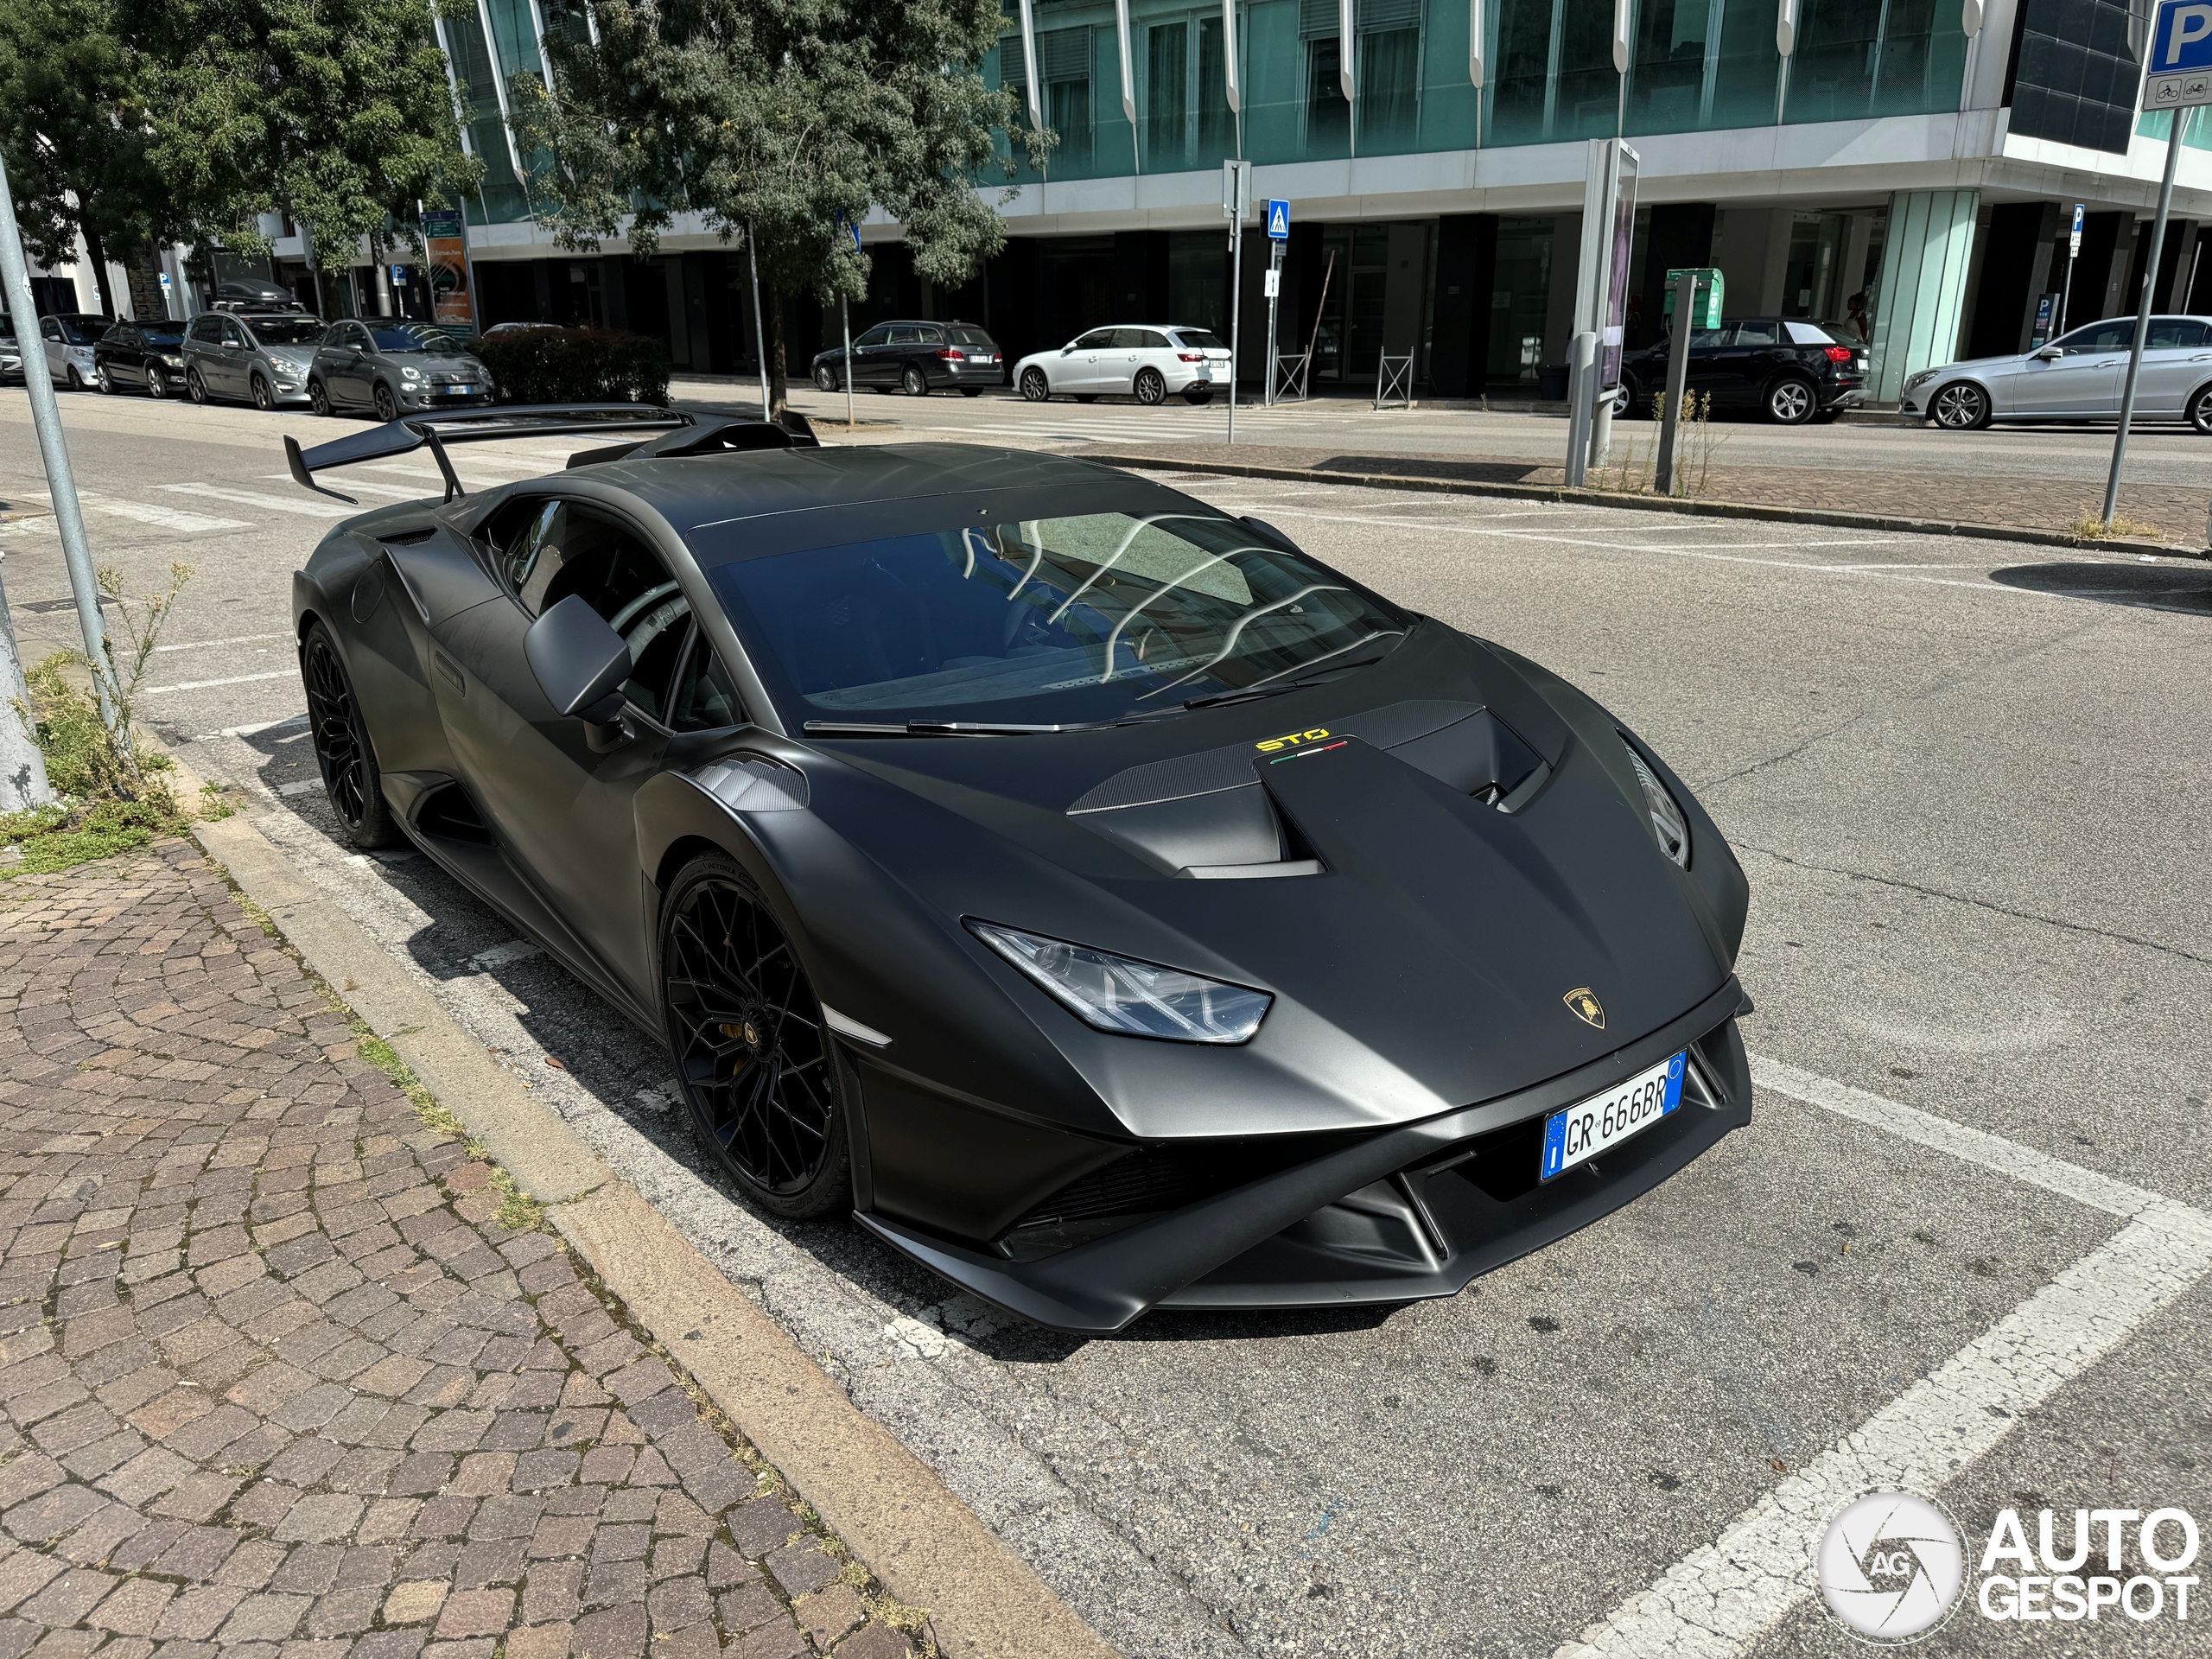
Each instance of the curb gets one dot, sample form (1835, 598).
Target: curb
(1560, 493)
(890, 1508)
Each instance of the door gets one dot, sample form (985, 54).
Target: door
(232, 361)
(560, 811)
(122, 353)
(57, 349)
(1746, 362)
(1144, 348)
(2081, 379)
(2176, 359)
(1087, 364)
(904, 346)
(348, 364)
(867, 356)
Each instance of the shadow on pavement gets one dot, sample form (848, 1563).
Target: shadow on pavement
(2157, 588)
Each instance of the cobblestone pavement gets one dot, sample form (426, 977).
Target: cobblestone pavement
(276, 1381)
(2048, 504)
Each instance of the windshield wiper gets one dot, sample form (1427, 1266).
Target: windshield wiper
(1215, 699)
(939, 728)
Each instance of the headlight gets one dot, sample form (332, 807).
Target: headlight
(1667, 821)
(1922, 378)
(172, 360)
(406, 373)
(1137, 999)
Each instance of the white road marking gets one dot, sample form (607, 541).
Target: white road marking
(235, 639)
(1716, 1601)
(235, 679)
(260, 726)
(273, 503)
(299, 786)
(146, 514)
(363, 486)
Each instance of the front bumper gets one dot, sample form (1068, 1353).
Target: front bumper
(1391, 1215)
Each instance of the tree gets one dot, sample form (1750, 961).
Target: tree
(779, 122)
(73, 129)
(336, 114)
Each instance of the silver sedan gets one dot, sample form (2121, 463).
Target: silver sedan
(2077, 377)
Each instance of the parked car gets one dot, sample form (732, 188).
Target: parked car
(1783, 368)
(504, 330)
(2077, 377)
(70, 337)
(1147, 362)
(1106, 904)
(149, 354)
(386, 365)
(917, 357)
(254, 294)
(11, 351)
(259, 358)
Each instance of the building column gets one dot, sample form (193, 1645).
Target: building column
(1917, 308)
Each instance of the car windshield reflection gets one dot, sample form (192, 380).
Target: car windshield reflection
(428, 341)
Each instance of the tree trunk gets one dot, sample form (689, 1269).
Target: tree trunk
(779, 388)
(96, 250)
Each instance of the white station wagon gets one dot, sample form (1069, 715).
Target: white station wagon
(1147, 362)
(2078, 377)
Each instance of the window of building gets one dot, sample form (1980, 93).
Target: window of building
(1703, 64)
(1328, 117)
(1386, 63)
(1860, 58)
(1064, 65)
(1167, 104)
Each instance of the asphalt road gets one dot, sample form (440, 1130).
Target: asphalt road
(1967, 783)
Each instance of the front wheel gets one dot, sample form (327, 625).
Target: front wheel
(157, 384)
(1960, 407)
(1149, 388)
(387, 406)
(2200, 411)
(1035, 388)
(194, 385)
(1791, 403)
(342, 754)
(914, 382)
(263, 398)
(825, 377)
(754, 1059)
(319, 398)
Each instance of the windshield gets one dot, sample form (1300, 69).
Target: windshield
(162, 334)
(286, 331)
(1048, 621)
(417, 339)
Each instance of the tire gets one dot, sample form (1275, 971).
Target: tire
(1035, 388)
(351, 779)
(1791, 402)
(263, 398)
(386, 405)
(158, 383)
(318, 399)
(825, 377)
(1624, 400)
(1197, 399)
(195, 387)
(76, 380)
(1149, 388)
(756, 1064)
(105, 380)
(914, 383)
(1960, 407)
(2200, 410)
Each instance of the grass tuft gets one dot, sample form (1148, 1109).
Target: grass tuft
(2089, 527)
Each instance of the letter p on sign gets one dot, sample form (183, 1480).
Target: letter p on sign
(2185, 25)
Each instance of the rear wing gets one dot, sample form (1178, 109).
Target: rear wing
(661, 431)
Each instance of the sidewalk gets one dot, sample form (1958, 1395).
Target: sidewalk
(286, 1375)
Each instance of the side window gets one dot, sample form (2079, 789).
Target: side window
(1150, 339)
(206, 330)
(570, 548)
(235, 335)
(906, 336)
(49, 328)
(2174, 333)
(706, 700)
(1760, 331)
(1098, 339)
(875, 336)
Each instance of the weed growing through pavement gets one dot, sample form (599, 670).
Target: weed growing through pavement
(2090, 527)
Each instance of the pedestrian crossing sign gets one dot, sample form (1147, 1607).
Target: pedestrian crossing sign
(1278, 220)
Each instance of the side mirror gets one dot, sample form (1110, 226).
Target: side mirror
(2049, 354)
(580, 663)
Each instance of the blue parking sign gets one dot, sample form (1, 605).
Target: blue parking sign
(2182, 38)
(1278, 220)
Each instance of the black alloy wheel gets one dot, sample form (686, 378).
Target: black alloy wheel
(1035, 388)
(1960, 407)
(915, 382)
(350, 776)
(825, 377)
(263, 398)
(386, 405)
(1791, 402)
(194, 385)
(756, 1063)
(2200, 411)
(1149, 388)
(319, 398)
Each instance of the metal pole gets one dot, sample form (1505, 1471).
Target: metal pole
(2142, 318)
(1678, 380)
(54, 450)
(1236, 291)
(2065, 297)
(1581, 389)
(1275, 266)
(845, 322)
(760, 334)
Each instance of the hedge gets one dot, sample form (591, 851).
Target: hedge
(576, 366)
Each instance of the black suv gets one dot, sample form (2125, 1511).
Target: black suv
(1785, 369)
(917, 357)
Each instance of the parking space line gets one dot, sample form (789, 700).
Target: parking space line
(235, 639)
(235, 679)
(146, 514)
(1717, 1600)
(254, 499)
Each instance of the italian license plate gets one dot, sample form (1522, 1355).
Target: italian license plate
(1582, 1131)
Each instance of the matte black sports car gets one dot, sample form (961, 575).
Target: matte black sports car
(1108, 903)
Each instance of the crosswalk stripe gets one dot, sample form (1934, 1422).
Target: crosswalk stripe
(365, 487)
(274, 503)
(146, 512)
(235, 679)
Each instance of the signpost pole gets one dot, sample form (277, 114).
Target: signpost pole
(2143, 320)
(1278, 234)
(760, 335)
(1235, 201)
(2073, 252)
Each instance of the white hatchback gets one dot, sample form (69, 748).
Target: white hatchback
(1147, 362)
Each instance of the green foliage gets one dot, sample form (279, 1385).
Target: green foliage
(73, 129)
(560, 365)
(336, 113)
(779, 120)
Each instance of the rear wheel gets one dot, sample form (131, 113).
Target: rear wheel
(196, 386)
(105, 378)
(1960, 407)
(755, 1061)
(1149, 387)
(348, 764)
(1791, 403)
(1034, 387)
(2200, 410)
(825, 377)
(914, 382)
